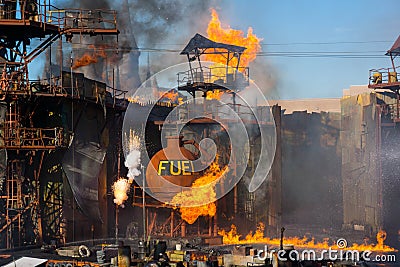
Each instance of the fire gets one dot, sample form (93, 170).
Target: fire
(90, 58)
(121, 189)
(191, 201)
(170, 95)
(216, 94)
(235, 37)
(138, 100)
(168, 99)
(232, 237)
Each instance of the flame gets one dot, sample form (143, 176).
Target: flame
(169, 99)
(232, 237)
(235, 37)
(90, 58)
(137, 100)
(215, 94)
(121, 189)
(191, 201)
(170, 95)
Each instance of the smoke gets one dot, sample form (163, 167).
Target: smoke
(266, 78)
(164, 27)
(157, 26)
(132, 161)
(311, 178)
(155, 22)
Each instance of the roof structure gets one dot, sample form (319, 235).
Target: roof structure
(395, 50)
(205, 44)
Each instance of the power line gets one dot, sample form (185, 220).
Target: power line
(328, 43)
(293, 54)
(298, 43)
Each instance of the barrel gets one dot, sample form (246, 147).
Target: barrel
(392, 77)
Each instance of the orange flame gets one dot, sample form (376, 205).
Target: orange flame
(216, 94)
(168, 99)
(204, 193)
(235, 37)
(90, 58)
(232, 237)
(121, 189)
(171, 95)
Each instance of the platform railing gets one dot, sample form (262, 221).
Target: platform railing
(83, 19)
(220, 75)
(66, 19)
(22, 10)
(32, 138)
(29, 10)
(383, 76)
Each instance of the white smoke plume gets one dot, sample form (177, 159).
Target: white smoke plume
(132, 161)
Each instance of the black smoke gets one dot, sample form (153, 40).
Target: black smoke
(153, 26)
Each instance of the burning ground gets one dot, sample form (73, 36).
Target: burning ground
(232, 237)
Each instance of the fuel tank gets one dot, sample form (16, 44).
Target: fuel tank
(170, 169)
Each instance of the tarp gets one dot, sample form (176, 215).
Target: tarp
(83, 160)
(82, 164)
(201, 42)
(26, 262)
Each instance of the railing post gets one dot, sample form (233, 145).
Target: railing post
(397, 106)
(44, 15)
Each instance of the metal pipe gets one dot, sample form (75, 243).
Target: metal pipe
(235, 199)
(210, 221)
(72, 79)
(190, 67)
(113, 84)
(215, 233)
(281, 242)
(144, 205)
(227, 68)
(116, 206)
(397, 104)
(116, 224)
(172, 223)
(392, 59)
(378, 141)
(183, 229)
(61, 63)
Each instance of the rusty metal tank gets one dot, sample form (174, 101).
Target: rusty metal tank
(174, 164)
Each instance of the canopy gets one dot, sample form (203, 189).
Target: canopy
(201, 42)
(395, 50)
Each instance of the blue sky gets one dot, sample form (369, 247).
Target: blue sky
(316, 48)
(355, 28)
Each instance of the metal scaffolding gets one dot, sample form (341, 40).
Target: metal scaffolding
(32, 207)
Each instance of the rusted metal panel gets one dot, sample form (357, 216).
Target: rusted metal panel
(360, 163)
